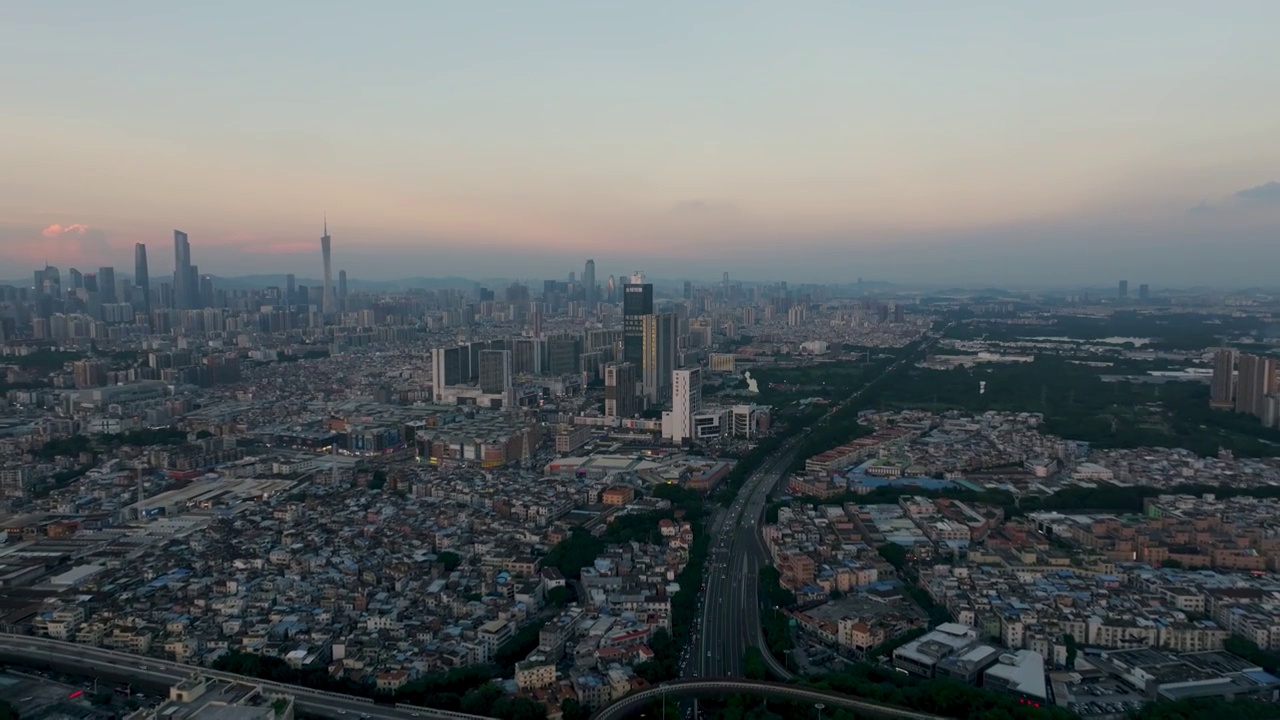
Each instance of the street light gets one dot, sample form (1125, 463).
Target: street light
(819, 706)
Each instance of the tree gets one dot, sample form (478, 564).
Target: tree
(478, 700)
(449, 560)
(513, 708)
(753, 664)
(571, 709)
(378, 481)
(894, 554)
(1172, 564)
(1070, 641)
(7, 712)
(559, 596)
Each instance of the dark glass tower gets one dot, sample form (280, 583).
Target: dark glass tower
(141, 276)
(637, 301)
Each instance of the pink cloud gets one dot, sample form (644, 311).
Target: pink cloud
(57, 231)
(71, 244)
(291, 248)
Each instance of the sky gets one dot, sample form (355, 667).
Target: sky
(912, 141)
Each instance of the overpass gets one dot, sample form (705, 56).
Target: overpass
(78, 659)
(688, 689)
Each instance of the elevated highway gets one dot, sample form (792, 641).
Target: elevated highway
(690, 689)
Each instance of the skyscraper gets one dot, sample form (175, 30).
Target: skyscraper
(1223, 384)
(342, 291)
(659, 343)
(142, 276)
(1144, 292)
(1257, 380)
(495, 372)
(1123, 292)
(290, 290)
(107, 284)
(327, 302)
(686, 399)
(637, 301)
(182, 290)
(620, 396)
(589, 285)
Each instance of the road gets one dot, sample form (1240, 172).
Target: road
(161, 674)
(729, 620)
(722, 688)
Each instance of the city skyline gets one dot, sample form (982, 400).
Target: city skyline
(854, 141)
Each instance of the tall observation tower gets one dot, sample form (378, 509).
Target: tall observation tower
(326, 249)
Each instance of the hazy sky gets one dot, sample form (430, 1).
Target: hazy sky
(808, 140)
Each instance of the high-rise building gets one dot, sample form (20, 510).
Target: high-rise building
(1222, 388)
(75, 278)
(326, 249)
(637, 301)
(342, 291)
(495, 372)
(659, 356)
(688, 290)
(90, 283)
(589, 286)
(183, 290)
(290, 290)
(621, 395)
(686, 399)
(1256, 381)
(611, 290)
(1144, 292)
(1123, 292)
(107, 284)
(447, 370)
(142, 276)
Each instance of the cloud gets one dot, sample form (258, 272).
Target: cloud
(60, 244)
(1265, 193)
(57, 231)
(1262, 197)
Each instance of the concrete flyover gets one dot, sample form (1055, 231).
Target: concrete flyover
(688, 689)
(89, 661)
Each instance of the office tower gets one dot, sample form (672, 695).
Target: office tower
(1123, 292)
(659, 356)
(725, 280)
(342, 291)
(495, 372)
(564, 354)
(1144, 292)
(91, 283)
(611, 290)
(589, 285)
(447, 370)
(527, 356)
(621, 397)
(899, 313)
(107, 284)
(207, 298)
(688, 290)
(1257, 380)
(142, 276)
(637, 301)
(686, 399)
(326, 249)
(290, 290)
(75, 278)
(182, 290)
(1221, 389)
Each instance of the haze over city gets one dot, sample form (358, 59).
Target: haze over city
(1010, 143)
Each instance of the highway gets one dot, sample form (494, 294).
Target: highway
(729, 621)
(125, 667)
(685, 689)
